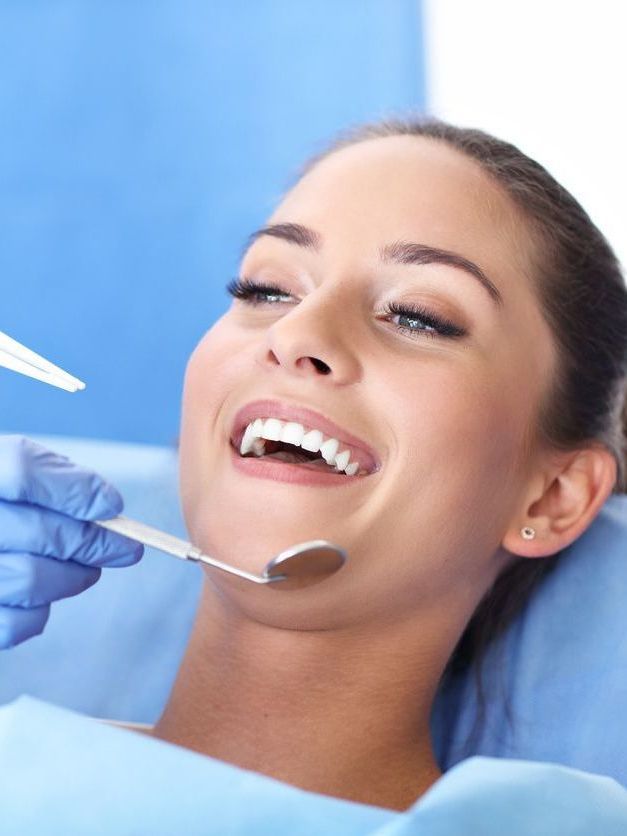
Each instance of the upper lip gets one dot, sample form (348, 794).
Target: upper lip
(360, 450)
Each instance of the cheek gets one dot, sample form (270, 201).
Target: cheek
(463, 429)
(458, 408)
(211, 373)
(455, 489)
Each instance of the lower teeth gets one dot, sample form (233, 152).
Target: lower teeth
(290, 457)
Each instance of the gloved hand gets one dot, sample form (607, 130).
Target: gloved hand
(47, 550)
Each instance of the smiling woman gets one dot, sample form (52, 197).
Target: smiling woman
(428, 303)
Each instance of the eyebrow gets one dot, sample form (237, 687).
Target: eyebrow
(398, 252)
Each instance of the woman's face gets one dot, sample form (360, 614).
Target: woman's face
(446, 415)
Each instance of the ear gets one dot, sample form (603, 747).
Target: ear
(562, 501)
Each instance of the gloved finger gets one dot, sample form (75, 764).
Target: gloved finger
(17, 624)
(29, 528)
(30, 472)
(30, 580)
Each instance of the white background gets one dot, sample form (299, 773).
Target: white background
(551, 77)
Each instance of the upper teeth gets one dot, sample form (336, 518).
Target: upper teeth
(313, 440)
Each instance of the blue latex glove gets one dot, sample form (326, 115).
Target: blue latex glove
(47, 549)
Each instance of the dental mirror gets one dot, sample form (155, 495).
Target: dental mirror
(302, 565)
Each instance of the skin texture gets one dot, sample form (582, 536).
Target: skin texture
(330, 688)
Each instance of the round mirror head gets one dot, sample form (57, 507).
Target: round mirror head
(304, 564)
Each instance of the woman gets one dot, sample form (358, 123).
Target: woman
(453, 311)
(435, 302)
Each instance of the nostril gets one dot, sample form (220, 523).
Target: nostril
(320, 365)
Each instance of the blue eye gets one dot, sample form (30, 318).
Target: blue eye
(428, 324)
(416, 313)
(247, 290)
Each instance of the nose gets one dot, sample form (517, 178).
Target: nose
(311, 339)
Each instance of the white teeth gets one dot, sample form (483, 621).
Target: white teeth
(342, 459)
(329, 449)
(272, 429)
(291, 432)
(312, 441)
(247, 441)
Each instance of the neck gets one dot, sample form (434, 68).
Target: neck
(322, 710)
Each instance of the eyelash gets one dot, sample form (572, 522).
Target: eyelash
(246, 289)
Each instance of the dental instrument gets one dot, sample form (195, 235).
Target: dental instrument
(299, 566)
(18, 358)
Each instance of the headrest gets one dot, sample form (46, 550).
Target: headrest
(556, 683)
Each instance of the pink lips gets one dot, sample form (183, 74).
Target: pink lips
(360, 451)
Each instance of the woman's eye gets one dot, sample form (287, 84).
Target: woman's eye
(435, 324)
(423, 322)
(247, 291)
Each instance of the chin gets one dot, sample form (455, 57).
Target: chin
(322, 606)
(315, 608)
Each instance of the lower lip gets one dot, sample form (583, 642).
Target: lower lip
(283, 472)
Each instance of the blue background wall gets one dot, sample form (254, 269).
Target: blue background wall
(140, 143)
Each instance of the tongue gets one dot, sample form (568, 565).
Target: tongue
(298, 458)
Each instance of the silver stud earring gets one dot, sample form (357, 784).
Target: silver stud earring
(528, 533)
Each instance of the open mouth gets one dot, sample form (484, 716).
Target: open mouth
(287, 453)
(301, 438)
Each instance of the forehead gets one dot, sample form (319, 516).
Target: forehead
(410, 187)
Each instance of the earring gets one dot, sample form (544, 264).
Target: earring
(528, 533)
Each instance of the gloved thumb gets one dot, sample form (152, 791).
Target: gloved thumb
(30, 472)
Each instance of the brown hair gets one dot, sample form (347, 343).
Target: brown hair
(583, 298)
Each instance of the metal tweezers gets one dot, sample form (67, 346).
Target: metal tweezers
(20, 359)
